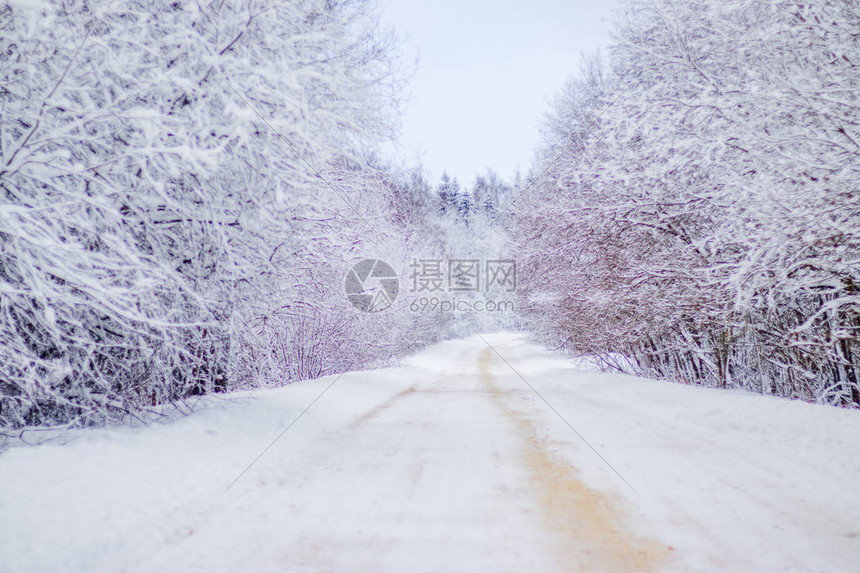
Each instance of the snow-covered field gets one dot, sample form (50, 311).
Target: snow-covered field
(449, 463)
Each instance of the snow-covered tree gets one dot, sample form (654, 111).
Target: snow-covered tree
(174, 180)
(699, 210)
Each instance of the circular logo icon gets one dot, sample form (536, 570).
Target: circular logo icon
(371, 285)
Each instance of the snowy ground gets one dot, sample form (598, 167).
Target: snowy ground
(449, 463)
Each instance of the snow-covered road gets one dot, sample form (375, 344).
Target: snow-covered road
(450, 462)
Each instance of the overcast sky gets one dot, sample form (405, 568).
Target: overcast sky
(486, 71)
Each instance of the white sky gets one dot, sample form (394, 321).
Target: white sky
(485, 73)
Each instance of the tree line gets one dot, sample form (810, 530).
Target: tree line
(183, 187)
(699, 216)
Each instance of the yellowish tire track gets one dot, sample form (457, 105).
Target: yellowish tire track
(589, 527)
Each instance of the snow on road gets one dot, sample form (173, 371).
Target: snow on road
(450, 462)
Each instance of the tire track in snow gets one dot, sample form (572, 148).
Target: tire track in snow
(588, 525)
(379, 408)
